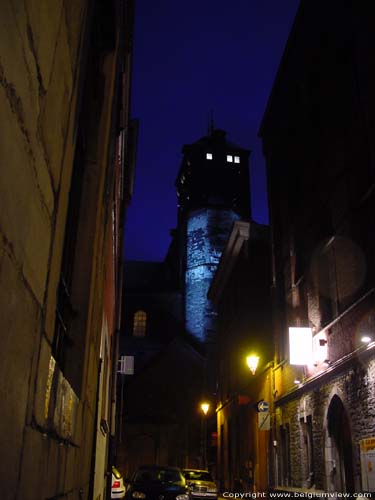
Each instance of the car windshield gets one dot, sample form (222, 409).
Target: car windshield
(164, 475)
(197, 475)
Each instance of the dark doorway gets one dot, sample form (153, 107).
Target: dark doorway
(339, 453)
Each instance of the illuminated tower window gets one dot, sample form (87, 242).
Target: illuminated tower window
(139, 325)
(236, 159)
(209, 156)
(229, 158)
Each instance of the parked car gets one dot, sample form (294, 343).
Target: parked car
(118, 488)
(200, 483)
(154, 482)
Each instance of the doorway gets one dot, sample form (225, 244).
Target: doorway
(338, 449)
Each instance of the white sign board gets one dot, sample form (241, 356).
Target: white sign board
(264, 421)
(126, 365)
(300, 346)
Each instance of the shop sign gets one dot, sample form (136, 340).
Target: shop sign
(367, 449)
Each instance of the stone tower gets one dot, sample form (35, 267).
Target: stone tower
(213, 191)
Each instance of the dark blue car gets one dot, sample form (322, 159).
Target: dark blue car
(155, 482)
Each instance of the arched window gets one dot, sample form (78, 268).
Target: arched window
(139, 325)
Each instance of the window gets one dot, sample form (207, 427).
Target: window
(231, 159)
(198, 475)
(105, 382)
(326, 279)
(209, 156)
(139, 325)
(67, 342)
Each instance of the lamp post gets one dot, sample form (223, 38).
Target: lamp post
(205, 408)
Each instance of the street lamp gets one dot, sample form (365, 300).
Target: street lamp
(204, 407)
(252, 362)
(366, 339)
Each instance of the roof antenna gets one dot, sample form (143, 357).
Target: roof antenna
(211, 125)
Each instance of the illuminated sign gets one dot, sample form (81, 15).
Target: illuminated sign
(300, 346)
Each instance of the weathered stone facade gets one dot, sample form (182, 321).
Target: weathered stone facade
(355, 387)
(321, 175)
(207, 231)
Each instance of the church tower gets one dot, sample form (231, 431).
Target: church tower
(213, 191)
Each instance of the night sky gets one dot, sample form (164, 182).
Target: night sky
(190, 57)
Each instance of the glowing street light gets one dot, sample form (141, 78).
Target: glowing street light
(252, 362)
(205, 407)
(366, 339)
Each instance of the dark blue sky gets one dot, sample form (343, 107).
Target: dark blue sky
(191, 57)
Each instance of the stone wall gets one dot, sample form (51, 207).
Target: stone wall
(39, 43)
(46, 427)
(356, 389)
(207, 232)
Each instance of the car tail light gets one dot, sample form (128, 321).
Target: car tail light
(116, 484)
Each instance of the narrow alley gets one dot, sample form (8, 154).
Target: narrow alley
(187, 246)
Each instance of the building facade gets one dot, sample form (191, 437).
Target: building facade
(65, 159)
(213, 191)
(161, 380)
(240, 291)
(317, 136)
